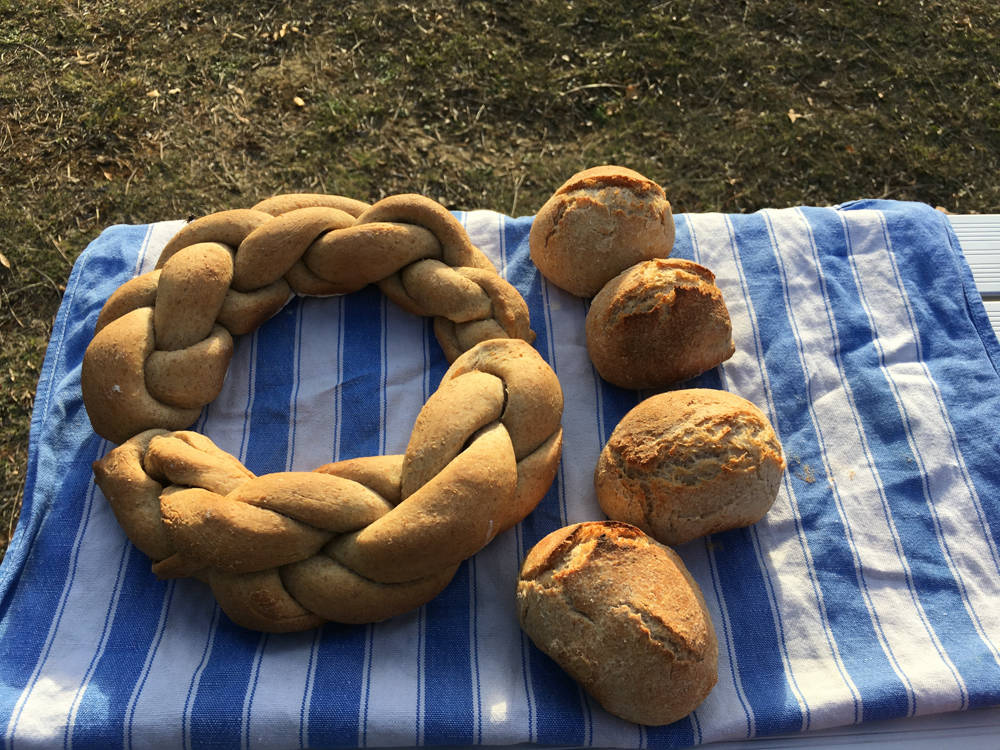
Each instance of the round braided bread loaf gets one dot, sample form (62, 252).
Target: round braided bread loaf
(359, 540)
(163, 340)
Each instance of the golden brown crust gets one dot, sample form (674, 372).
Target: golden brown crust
(164, 340)
(358, 540)
(598, 223)
(659, 322)
(622, 615)
(688, 463)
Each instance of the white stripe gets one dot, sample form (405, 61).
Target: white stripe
(187, 627)
(811, 658)
(293, 396)
(581, 426)
(338, 426)
(421, 707)
(404, 372)
(392, 683)
(968, 548)
(156, 239)
(319, 379)
(109, 619)
(283, 675)
(884, 575)
(41, 711)
(501, 702)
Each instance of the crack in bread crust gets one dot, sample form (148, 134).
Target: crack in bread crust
(621, 614)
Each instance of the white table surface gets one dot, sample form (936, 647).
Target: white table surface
(980, 239)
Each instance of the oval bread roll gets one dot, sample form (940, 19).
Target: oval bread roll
(597, 224)
(622, 615)
(687, 463)
(660, 322)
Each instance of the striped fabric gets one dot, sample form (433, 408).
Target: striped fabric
(871, 590)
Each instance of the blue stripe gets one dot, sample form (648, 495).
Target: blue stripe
(217, 713)
(758, 652)
(724, 634)
(337, 701)
(560, 718)
(421, 681)
(882, 694)
(267, 442)
(676, 735)
(448, 713)
(474, 606)
(336, 696)
(361, 433)
(447, 667)
(887, 431)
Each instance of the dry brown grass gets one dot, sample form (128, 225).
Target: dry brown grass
(175, 108)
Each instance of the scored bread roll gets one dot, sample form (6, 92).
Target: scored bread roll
(659, 322)
(622, 615)
(597, 224)
(687, 463)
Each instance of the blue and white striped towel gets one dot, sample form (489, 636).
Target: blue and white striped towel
(871, 590)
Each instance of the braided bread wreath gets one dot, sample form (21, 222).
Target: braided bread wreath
(355, 541)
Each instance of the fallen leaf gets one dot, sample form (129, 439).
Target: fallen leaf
(107, 174)
(793, 116)
(299, 102)
(4, 262)
(154, 94)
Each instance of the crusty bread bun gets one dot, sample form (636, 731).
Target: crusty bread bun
(687, 463)
(600, 222)
(659, 322)
(622, 615)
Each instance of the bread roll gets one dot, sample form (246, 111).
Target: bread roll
(622, 615)
(600, 222)
(660, 322)
(687, 463)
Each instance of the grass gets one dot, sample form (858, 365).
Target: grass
(169, 108)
